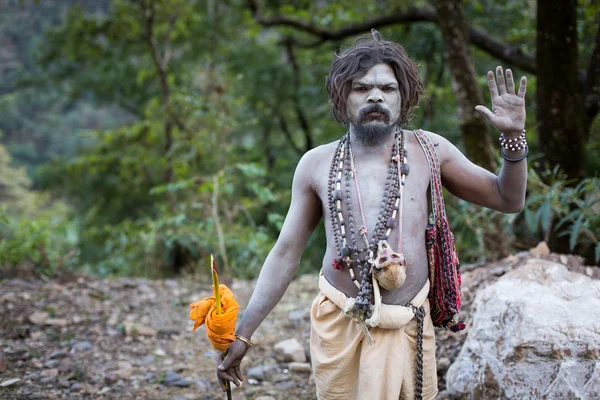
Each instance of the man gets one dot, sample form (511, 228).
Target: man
(361, 349)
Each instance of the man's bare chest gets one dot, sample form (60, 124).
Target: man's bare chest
(369, 185)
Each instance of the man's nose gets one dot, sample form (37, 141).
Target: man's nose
(375, 96)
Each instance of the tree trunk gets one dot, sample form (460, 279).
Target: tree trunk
(474, 128)
(560, 112)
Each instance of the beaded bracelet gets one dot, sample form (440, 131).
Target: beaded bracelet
(516, 144)
(514, 159)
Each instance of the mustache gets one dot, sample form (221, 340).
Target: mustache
(374, 108)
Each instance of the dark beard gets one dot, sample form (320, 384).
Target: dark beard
(372, 135)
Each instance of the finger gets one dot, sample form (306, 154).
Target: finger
(238, 373)
(522, 87)
(510, 83)
(486, 113)
(492, 85)
(500, 79)
(229, 376)
(225, 363)
(221, 383)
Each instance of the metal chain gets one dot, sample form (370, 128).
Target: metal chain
(420, 314)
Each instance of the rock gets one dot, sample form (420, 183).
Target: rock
(2, 364)
(110, 378)
(160, 352)
(203, 384)
(51, 363)
(64, 383)
(564, 259)
(59, 354)
(589, 272)
(177, 398)
(75, 387)
(65, 366)
(82, 346)
(540, 250)
(49, 373)
(173, 379)
(48, 379)
(57, 322)
(300, 367)
(38, 318)
(265, 398)
(124, 370)
(530, 338)
(262, 372)
(10, 382)
(37, 335)
(290, 350)
(133, 329)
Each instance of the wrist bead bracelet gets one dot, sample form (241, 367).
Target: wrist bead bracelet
(245, 340)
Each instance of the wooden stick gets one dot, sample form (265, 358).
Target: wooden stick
(215, 279)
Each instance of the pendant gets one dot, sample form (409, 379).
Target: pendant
(389, 267)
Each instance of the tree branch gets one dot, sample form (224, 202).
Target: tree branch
(482, 40)
(302, 120)
(286, 132)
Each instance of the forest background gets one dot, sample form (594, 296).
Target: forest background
(137, 137)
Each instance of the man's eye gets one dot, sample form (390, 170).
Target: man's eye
(388, 89)
(361, 89)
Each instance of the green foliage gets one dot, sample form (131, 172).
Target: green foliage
(573, 212)
(471, 225)
(46, 240)
(171, 128)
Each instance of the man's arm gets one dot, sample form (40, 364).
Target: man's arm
(470, 182)
(281, 264)
(505, 192)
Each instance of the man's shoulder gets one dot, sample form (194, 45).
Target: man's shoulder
(319, 154)
(443, 147)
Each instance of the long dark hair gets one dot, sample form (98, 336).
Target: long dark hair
(355, 61)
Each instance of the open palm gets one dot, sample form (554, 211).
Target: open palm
(508, 109)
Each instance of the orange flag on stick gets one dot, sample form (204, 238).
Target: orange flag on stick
(218, 312)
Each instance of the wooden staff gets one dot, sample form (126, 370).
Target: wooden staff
(215, 279)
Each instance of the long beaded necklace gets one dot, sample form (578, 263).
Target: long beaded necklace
(349, 255)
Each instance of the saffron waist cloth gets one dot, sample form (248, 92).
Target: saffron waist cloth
(346, 367)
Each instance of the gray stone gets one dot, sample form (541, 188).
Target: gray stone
(10, 382)
(290, 350)
(300, 367)
(203, 384)
(82, 346)
(535, 334)
(51, 363)
(262, 372)
(173, 379)
(38, 318)
(59, 354)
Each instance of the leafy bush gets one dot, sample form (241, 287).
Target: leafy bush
(47, 241)
(572, 212)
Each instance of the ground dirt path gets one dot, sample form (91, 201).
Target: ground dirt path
(79, 337)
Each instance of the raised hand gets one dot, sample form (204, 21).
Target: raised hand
(508, 109)
(229, 367)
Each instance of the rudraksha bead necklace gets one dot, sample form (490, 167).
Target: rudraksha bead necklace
(351, 256)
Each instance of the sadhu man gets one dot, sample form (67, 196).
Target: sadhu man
(371, 188)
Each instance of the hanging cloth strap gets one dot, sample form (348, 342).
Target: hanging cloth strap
(444, 268)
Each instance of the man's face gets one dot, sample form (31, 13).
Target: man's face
(374, 99)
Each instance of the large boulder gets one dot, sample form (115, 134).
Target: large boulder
(535, 334)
